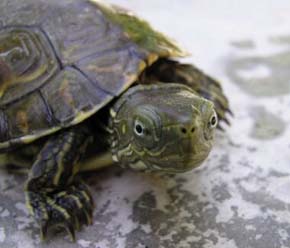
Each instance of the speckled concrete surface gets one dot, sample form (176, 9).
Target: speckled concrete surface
(240, 196)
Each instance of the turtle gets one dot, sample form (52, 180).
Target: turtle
(85, 84)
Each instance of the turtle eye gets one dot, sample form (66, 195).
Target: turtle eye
(213, 121)
(139, 128)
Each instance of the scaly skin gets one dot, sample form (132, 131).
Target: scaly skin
(162, 127)
(166, 70)
(53, 195)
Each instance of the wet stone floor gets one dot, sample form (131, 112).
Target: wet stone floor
(240, 197)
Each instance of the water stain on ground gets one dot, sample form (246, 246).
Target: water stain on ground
(260, 75)
(266, 125)
(280, 40)
(190, 222)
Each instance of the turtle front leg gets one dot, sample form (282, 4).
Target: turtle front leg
(165, 70)
(53, 194)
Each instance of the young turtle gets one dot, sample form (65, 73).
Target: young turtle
(79, 78)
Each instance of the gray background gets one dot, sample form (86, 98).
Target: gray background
(240, 196)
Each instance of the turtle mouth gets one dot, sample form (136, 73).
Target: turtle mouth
(181, 156)
(174, 164)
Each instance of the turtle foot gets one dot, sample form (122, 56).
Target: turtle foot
(69, 209)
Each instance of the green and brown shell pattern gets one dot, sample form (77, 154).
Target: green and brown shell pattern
(62, 61)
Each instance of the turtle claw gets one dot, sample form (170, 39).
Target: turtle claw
(68, 209)
(219, 127)
(71, 231)
(87, 218)
(43, 231)
(230, 112)
(226, 120)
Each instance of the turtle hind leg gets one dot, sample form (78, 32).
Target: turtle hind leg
(54, 196)
(165, 70)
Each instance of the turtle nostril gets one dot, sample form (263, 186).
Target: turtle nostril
(183, 130)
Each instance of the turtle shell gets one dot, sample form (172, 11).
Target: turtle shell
(62, 61)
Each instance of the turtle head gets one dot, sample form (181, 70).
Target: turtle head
(162, 127)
